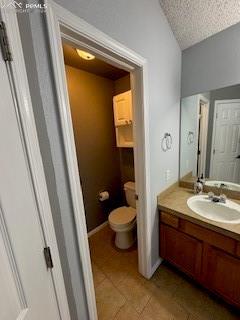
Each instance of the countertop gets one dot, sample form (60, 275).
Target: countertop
(175, 202)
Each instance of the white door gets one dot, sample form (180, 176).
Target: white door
(26, 285)
(226, 141)
(122, 107)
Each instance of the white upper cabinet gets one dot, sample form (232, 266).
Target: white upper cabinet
(122, 106)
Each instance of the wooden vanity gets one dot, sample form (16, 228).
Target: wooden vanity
(207, 253)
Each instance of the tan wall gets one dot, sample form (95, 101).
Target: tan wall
(122, 85)
(98, 157)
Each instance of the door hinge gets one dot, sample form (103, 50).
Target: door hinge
(216, 115)
(136, 196)
(48, 257)
(214, 151)
(6, 53)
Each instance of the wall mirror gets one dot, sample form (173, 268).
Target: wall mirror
(210, 138)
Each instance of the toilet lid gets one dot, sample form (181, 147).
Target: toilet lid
(122, 215)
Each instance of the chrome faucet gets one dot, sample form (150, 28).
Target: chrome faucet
(222, 198)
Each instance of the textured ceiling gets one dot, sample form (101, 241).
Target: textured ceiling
(95, 66)
(195, 20)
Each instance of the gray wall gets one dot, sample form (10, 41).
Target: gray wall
(213, 63)
(91, 99)
(141, 26)
(232, 92)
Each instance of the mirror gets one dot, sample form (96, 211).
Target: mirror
(210, 138)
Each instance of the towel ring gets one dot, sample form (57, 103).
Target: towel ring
(190, 137)
(166, 142)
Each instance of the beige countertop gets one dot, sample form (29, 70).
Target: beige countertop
(175, 202)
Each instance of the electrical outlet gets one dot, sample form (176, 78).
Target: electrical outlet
(167, 174)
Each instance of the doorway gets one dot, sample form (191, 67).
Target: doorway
(64, 26)
(202, 136)
(225, 156)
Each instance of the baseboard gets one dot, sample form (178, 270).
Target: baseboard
(92, 232)
(156, 265)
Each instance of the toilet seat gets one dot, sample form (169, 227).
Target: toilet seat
(122, 217)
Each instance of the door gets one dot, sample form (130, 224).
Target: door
(226, 142)
(122, 105)
(221, 274)
(26, 285)
(181, 250)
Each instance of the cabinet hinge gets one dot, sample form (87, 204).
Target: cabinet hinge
(48, 257)
(5, 48)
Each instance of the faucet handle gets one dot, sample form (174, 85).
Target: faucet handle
(211, 195)
(223, 198)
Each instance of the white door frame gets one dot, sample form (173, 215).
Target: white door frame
(62, 23)
(214, 129)
(205, 101)
(17, 73)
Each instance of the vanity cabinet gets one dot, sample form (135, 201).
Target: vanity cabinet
(207, 256)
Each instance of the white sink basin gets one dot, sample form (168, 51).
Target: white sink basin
(228, 185)
(228, 212)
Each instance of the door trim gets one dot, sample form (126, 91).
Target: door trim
(62, 23)
(216, 102)
(17, 72)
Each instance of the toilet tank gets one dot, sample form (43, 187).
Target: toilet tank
(129, 189)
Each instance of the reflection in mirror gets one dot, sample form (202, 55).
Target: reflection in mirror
(210, 137)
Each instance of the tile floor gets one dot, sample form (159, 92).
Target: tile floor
(123, 294)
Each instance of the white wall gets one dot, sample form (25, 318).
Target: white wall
(141, 26)
(212, 63)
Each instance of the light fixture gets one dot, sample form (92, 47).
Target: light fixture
(85, 55)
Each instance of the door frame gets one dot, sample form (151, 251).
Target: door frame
(204, 134)
(216, 102)
(19, 82)
(62, 23)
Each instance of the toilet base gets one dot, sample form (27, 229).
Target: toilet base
(125, 239)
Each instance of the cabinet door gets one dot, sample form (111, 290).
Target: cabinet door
(222, 274)
(182, 250)
(122, 105)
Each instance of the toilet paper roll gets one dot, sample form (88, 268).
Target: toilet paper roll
(103, 196)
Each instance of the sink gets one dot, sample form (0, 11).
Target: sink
(228, 212)
(228, 185)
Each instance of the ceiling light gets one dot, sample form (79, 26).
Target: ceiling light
(85, 55)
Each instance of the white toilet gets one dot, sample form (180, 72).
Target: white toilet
(123, 220)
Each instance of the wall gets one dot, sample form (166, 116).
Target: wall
(142, 27)
(98, 157)
(188, 152)
(213, 63)
(232, 92)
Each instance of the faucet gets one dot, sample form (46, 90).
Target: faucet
(222, 198)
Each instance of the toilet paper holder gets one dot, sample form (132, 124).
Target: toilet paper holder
(103, 196)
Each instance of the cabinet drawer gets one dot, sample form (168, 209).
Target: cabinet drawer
(211, 237)
(169, 219)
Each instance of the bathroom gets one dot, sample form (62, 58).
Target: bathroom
(139, 206)
(101, 109)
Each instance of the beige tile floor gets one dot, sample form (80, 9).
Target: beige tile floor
(123, 294)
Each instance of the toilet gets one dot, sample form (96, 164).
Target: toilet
(123, 219)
